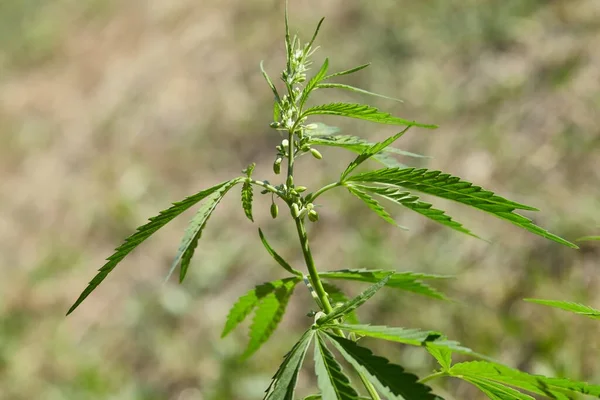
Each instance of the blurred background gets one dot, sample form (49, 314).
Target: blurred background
(111, 110)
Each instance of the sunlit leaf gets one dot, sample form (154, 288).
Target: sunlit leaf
(353, 89)
(246, 304)
(143, 233)
(569, 306)
(364, 112)
(453, 188)
(409, 281)
(354, 303)
(193, 232)
(412, 202)
(268, 314)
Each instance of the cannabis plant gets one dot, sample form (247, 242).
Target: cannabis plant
(335, 326)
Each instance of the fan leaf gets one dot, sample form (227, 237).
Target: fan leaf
(354, 89)
(354, 303)
(569, 306)
(337, 296)
(245, 304)
(371, 151)
(390, 379)
(453, 188)
(373, 205)
(313, 83)
(347, 71)
(412, 202)
(352, 143)
(551, 387)
(497, 391)
(143, 233)
(413, 337)
(268, 314)
(361, 111)
(283, 385)
(408, 281)
(333, 383)
(194, 230)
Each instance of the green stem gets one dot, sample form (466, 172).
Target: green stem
(433, 376)
(269, 187)
(322, 295)
(323, 190)
(310, 265)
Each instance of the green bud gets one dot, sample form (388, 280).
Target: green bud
(277, 166)
(310, 206)
(290, 181)
(316, 154)
(274, 210)
(300, 189)
(295, 210)
(275, 125)
(313, 216)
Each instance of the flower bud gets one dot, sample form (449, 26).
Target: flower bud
(274, 125)
(274, 210)
(313, 216)
(300, 189)
(277, 166)
(290, 181)
(285, 143)
(295, 210)
(316, 154)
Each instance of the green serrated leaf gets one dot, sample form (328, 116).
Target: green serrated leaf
(245, 304)
(267, 316)
(143, 233)
(194, 230)
(414, 337)
(361, 111)
(372, 151)
(492, 372)
(354, 303)
(497, 391)
(337, 296)
(442, 355)
(453, 188)
(354, 89)
(373, 205)
(333, 383)
(408, 281)
(347, 71)
(352, 143)
(271, 85)
(412, 202)
(276, 256)
(389, 379)
(247, 197)
(569, 306)
(321, 129)
(283, 385)
(314, 36)
(313, 82)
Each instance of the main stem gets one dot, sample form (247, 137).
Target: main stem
(312, 270)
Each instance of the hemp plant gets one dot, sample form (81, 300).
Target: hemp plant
(335, 324)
